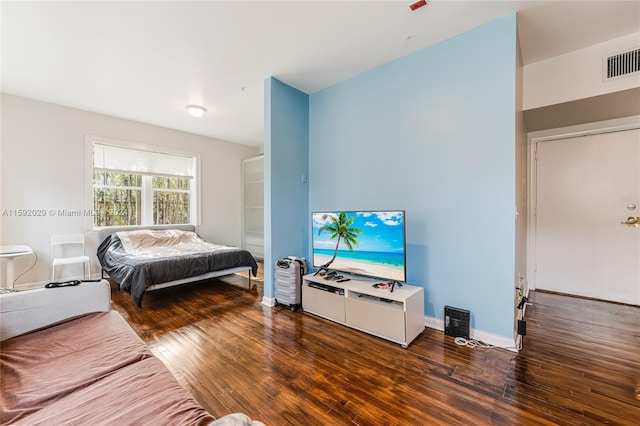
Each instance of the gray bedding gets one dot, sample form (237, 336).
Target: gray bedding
(136, 271)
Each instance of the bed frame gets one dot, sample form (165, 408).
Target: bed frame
(105, 232)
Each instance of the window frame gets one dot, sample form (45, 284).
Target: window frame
(195, 187)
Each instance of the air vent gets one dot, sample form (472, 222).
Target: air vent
(622, 64)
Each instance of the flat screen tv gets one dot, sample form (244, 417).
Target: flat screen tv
(369, 243)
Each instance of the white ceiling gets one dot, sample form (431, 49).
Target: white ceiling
(146, 61)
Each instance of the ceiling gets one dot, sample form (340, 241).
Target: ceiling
(146, 60)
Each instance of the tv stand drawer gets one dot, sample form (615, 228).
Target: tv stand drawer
(323, 302)
(376, 316)
(397, 316)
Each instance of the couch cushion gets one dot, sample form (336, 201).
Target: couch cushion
(42, 367)
(141, 393)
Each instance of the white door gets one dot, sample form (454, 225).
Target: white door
(585, 187)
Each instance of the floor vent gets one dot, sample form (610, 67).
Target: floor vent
(622, 64)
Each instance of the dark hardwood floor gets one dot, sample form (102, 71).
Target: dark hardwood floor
(580, 363)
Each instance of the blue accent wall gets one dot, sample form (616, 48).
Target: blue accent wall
(286, 157)
(432, 133)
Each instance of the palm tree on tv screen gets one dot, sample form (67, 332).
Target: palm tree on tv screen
(341, 227)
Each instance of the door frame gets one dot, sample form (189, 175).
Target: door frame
(533, 139)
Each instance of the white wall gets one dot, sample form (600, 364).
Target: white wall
(576, 75)
(42, 163)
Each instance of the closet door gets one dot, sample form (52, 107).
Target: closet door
(253, 205)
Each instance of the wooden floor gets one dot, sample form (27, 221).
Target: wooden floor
(580, 363)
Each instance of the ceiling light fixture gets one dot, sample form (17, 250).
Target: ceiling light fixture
(196, 110)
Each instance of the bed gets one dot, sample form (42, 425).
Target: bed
(144, 259)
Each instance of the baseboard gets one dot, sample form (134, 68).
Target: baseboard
(438, 324)
(268, 301)
(509, 344)
(503, 342)
(435, 323)
(29, 286)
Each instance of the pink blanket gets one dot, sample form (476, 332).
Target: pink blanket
(90, 370)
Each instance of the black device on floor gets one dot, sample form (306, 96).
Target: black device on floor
(522, 327)
(69, 283)
(62, 284)
(456, 322)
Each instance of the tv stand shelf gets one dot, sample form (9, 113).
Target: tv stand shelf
(397, 316)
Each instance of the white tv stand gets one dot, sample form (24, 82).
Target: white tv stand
(397, 316)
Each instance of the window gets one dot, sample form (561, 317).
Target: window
(136, 186)
(171, 200)
(117, 199)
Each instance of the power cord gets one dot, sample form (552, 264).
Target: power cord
(35, 260)
(523, 301)
(472, 343)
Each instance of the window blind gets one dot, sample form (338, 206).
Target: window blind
(127, 160)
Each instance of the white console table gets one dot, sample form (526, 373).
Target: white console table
(397, 316)
(10, 253)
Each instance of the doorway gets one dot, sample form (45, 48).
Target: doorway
(584, 187)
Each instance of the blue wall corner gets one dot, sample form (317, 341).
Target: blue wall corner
(286, 155)
(432, 133)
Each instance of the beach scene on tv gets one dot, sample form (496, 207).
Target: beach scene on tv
(363, 243)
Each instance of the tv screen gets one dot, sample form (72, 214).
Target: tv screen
(370, 243)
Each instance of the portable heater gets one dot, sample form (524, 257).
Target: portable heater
(456, 322)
